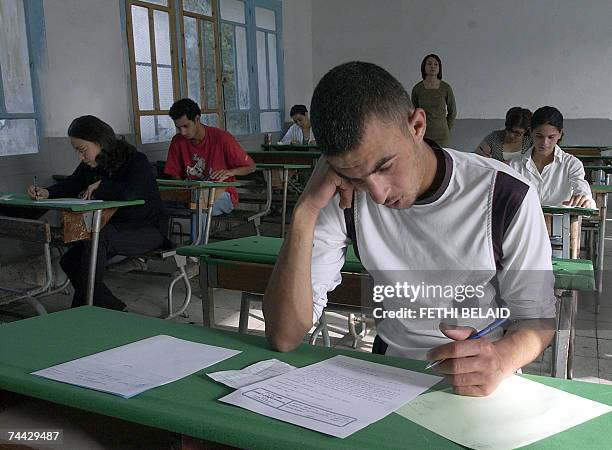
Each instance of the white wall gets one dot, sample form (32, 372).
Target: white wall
(84, 71)
(495, 53)
(297, 55)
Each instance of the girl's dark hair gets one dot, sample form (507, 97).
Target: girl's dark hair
(114, 153)
(547, 115)
(437, 58)
(298, 109)
(518, 117)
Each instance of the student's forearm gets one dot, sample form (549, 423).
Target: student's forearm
(524, 342)
(287, 302)
(244, 170)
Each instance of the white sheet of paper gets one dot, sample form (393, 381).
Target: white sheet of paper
(6, 197)
(518, 413)
(337, 396)
(136, 367)
(252, 374)
(68, 201)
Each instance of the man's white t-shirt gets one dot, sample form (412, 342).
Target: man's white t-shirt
(482, 227)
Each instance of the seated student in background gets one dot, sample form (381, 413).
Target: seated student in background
(511, 142)
(300, 132)
(557, 176)
(110, 169)
(200, 152)
(414, 213)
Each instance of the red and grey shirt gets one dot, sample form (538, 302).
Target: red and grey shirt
(218, 150)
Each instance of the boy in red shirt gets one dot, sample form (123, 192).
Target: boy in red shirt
(200, 152)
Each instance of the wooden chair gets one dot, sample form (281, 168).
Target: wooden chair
(33, 231)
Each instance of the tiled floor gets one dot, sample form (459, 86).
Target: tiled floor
(145, 294)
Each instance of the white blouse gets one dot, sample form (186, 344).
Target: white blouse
(559, 180)
(294, 133)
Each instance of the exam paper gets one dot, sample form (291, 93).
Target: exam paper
(518, 413)
(337, 396)
(252, 374)
(136, 367)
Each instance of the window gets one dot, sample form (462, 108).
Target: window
(20, 29)
(201, 78)
(213, 55)
(151, 42)
(267, 68)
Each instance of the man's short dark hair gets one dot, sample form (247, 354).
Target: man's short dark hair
(349, 95)
(184, 107)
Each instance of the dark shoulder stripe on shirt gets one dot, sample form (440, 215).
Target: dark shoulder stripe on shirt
(508, 195)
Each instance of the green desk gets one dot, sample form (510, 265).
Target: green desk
(289, 147)
(284, 156)
(571, 227)
(589, 158)
(283, 169)
(246, 265)
(600, 193)
(582, 150)
(190, 406)
(200, 226)
(78, 222)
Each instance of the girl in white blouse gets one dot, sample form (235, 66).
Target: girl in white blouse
(300, 132)
(557, 176)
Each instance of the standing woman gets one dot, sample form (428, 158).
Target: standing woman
(110, 169)
(437, 99)
(511, 142)
(557, 176)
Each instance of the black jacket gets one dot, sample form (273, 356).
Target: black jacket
(134, 180)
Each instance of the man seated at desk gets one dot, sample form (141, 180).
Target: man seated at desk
(200, 152)
(420, 213)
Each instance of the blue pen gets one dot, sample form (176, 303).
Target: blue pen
(481, 333)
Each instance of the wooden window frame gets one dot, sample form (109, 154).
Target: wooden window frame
(215, 22)
(151, 7)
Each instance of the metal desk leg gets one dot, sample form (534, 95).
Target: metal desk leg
(95, 237)
(599, 264)
(562, 338)
(200, 217)
(208, 276)
(209, 210)
(565, 234)
(575, 231)
(284, 213)
(572, 335)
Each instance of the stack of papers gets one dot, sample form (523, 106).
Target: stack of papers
(137, 367)
(338, 396)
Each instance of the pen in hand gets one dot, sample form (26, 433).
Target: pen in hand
(496, 324)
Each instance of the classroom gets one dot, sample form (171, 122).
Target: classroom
(305, 224)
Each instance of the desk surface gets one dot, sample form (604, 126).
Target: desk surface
(197, 184)
(290, 147)
(601, 188)
(23, 200)
(306, 154)
(594, 157)
(282, 166)
(189, 406)
(575, 274)
(547, 209)
(606, 168)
